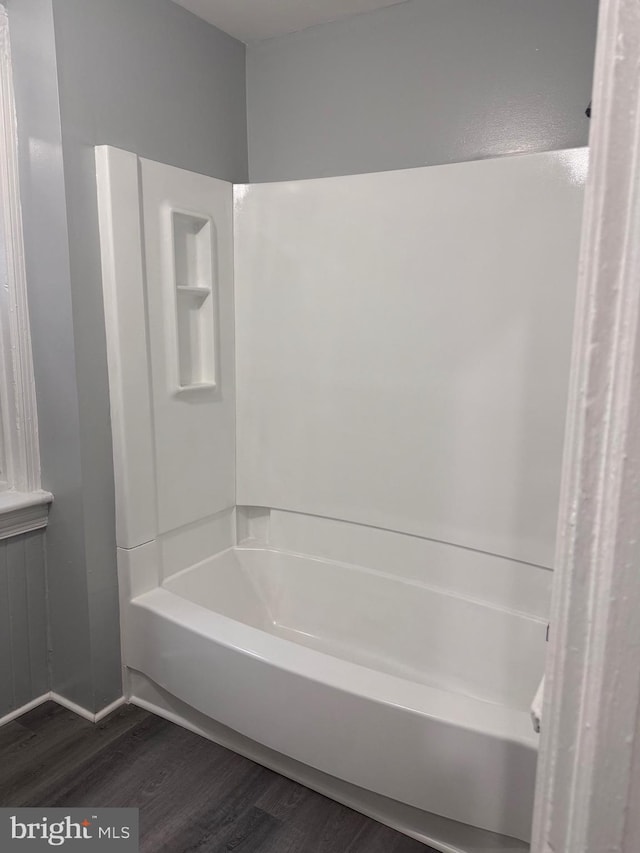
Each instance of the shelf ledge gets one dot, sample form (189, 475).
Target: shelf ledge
(21, 512)
(193, 290)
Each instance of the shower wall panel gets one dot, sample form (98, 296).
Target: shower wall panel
(189, 279)
(167, 262)
(402, 347)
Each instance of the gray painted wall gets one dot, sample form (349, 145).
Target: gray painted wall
(23, 621)
(420, 83)
(47, 263)
(149, 77)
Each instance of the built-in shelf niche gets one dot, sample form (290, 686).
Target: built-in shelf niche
(195, 309)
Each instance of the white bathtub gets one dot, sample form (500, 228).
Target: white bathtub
(409, 692)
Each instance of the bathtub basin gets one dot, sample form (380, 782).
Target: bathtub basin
(403, 690)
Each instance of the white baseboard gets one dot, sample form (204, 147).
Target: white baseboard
(82, 712)
(71, 706)
(66, 703)
(109, 708)
(18, 712)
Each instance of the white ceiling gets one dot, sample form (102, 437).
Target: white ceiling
(248, 20)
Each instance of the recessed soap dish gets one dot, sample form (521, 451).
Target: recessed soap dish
(194, 299)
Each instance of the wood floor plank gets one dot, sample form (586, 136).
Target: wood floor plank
(319, 825)
(107, 768)
(283, 797)
(62, 742)
(233, 820)
(248, 835)
(377, 838)
(172, 777)
(52, 716)
(12, 735)
(194, 796)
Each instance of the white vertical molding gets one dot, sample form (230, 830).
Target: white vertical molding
(587, 774)
(121, 244)
(21, 423)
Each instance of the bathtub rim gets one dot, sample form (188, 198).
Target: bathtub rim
(252, 547)
(257, 560)
(450, 708)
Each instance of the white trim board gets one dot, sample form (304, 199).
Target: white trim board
(22, 512)
(24, 506)
(24, 709)
(82, 712)
(589, 768)
(125, 324)
(20, 423)
(65, 703)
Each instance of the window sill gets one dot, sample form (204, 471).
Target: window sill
(21, 512)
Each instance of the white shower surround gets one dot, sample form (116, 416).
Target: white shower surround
(403, 345)
(240, 588)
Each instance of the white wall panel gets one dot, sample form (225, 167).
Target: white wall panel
(403, 345)
(461, 571)
(188, 240)
(125, 309)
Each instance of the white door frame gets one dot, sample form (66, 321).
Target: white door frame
(588, 792)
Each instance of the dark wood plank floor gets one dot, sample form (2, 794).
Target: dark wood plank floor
(193, 795)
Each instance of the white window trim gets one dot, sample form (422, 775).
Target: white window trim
(23, 503)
